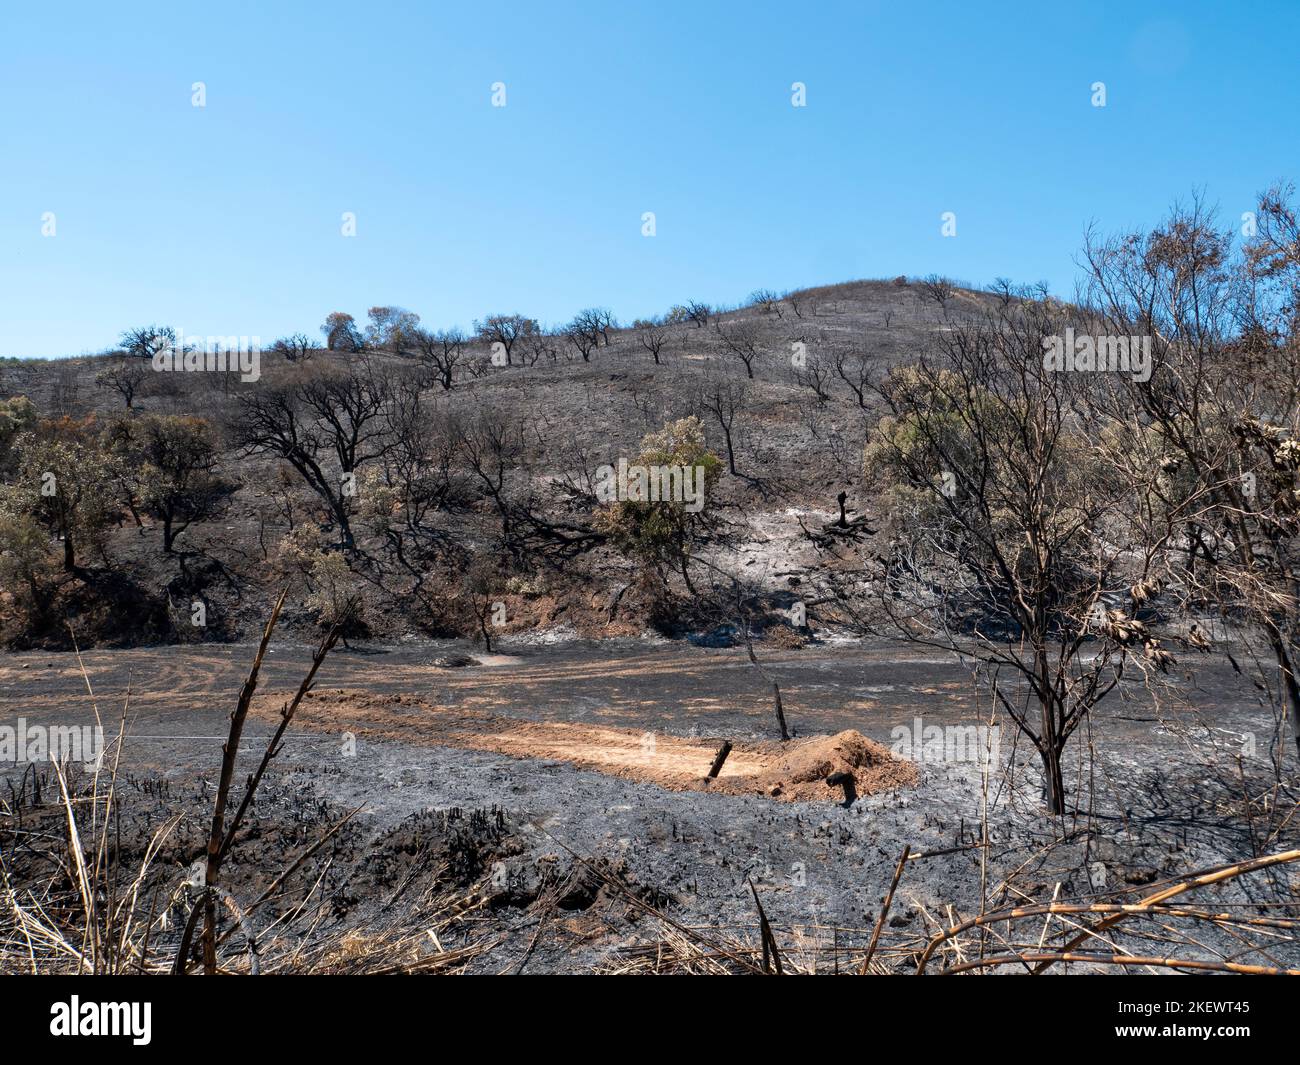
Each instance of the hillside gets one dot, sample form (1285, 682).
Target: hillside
(797, 429)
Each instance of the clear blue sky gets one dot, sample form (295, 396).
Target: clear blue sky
(226, 219)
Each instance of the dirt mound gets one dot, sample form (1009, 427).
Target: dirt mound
(456, 662)
(846, 765)
(817, 769)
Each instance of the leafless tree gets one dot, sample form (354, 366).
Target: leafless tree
(937, 288)
(147, 341)
(740, 340)
(814, 373)
(540, 346)
(419, 481)
(854, 370)
(653, 335)
(505, 329)
(1005, 291)
(698, 313)
(491, 444)
(442, 352)
(767, 301)
(583, 338)
(1012, 528)
(124, 376)
(295, 348)
(724, 397)
(327, 424)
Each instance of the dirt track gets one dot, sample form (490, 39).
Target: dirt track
(669, 688)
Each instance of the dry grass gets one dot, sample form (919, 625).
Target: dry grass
(1030, 939)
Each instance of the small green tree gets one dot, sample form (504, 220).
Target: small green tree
(16, 414)
(169, 463)
(26, 568)
(662, 532)
(336, 597)
(334, 592)
(64, 481)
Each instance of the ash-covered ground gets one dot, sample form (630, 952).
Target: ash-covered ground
(536, 864)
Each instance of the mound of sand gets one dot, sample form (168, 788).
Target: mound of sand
(456, 662)
(801, 770)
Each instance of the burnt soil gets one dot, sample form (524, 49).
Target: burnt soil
(458, 786)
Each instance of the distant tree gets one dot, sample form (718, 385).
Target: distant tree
(295, 348)
(65, 392)
(147, 341)
(589, 322)
(582, 337)
(854, 370)
(442, 352)
(541, 345)
(653, 335)
(16, 414)
(391, 328)
(401, 494)
(740, 340)
(341, 333)
(1004, 290)
(937, 288)
(698, 313)
(124, 376)
(814, 374)
(505, 329)
(491, 444)
(767, 301)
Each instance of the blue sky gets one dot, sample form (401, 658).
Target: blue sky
(226, 219)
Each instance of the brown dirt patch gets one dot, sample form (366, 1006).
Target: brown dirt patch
(800, 769)
(796, 771)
